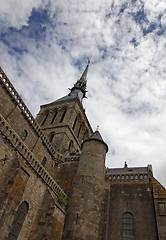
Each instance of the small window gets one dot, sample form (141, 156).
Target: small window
(131, 177)
(79, 131)
(63, 116)
(51, 136)
(18, 221)
(162, 211)
(145, 176)
(45, 119)
(44, 161)
(127, 177)
(70, 148)
(53, 119)
(141, 177)
(74, 123)
(23, 135)
(136, 177)
(128, 224)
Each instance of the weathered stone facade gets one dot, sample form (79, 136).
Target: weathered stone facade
(53, 180)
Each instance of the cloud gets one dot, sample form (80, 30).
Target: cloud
(44, 46)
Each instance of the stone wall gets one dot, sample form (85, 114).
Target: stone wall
(23, 177)
(135, 198)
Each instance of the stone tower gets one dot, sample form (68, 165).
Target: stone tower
(85, 203)
(64, 121)
(53, 181)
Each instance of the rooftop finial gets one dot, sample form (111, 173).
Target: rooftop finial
(80, 85)
(97, 128)
(125, 165)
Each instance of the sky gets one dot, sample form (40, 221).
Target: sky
(44, 46)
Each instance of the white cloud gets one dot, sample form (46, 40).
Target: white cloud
(16, 13)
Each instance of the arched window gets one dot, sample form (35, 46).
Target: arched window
(45, 119)
(53, 119)
(136, 177)
(51, 136)
(74, 123)
(63, 116)
(141, 177)
(128, 224)
(23, 135)
(44, 161)
(18, 221)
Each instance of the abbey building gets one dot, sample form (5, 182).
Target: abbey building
(53, 181)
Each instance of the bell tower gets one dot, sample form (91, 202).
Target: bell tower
(64, 121)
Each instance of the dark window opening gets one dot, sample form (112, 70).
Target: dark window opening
(51, 136)
(23, 135)
(45, 119)
(63, 116)
(162, 210)
(18, 221)
(128, 224)
(53, 119)
(79, 131)
(44, 161)
(74, 123)
(70, 148)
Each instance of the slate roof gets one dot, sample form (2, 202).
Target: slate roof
(97, 136)
(158, 190)
(127, 170)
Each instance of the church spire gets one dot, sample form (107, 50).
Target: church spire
(80, 85)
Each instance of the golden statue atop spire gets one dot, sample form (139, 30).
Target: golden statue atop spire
(97, 128)
(88, 60)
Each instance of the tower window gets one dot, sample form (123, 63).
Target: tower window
(44, 161)
(162, 209)
(51, 136)
(70, 148)
(23, 135)
(53, 119)
(63, 116)
(79, 131)
(18, 221)
(45, 119)
(74, 123)
(128, 224)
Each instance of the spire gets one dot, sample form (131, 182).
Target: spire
(80, 85)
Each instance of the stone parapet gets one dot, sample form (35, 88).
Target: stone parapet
(8, 86)
(134, 177)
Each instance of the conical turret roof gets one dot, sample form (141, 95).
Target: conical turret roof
(97, 136)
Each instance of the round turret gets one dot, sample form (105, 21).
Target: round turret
(85, 207)
(92, 160)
